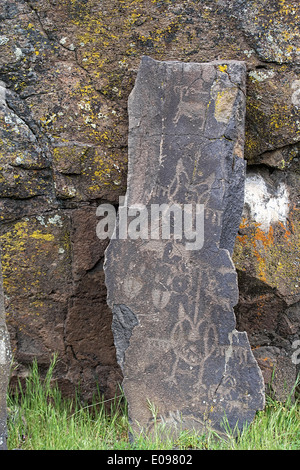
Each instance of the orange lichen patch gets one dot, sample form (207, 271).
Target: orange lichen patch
(260, 305)
(272, 256)
(286, 233)
(242, 239)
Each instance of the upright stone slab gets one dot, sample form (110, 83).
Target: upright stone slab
(5, 359)
(172, 299)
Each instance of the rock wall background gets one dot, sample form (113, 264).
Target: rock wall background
(66, 70)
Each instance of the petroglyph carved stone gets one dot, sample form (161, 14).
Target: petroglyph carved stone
(179, 349)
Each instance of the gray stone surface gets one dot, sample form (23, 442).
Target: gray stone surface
(174, 325)
(5, 359)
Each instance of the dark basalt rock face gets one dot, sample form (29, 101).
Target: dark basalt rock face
(173, 298)
(5, 361)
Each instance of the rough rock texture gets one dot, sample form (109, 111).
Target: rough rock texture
(5, 363)
(66, 71)
(267, 257)
(174, 324)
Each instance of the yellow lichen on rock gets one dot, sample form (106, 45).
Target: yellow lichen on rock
(272, 256)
